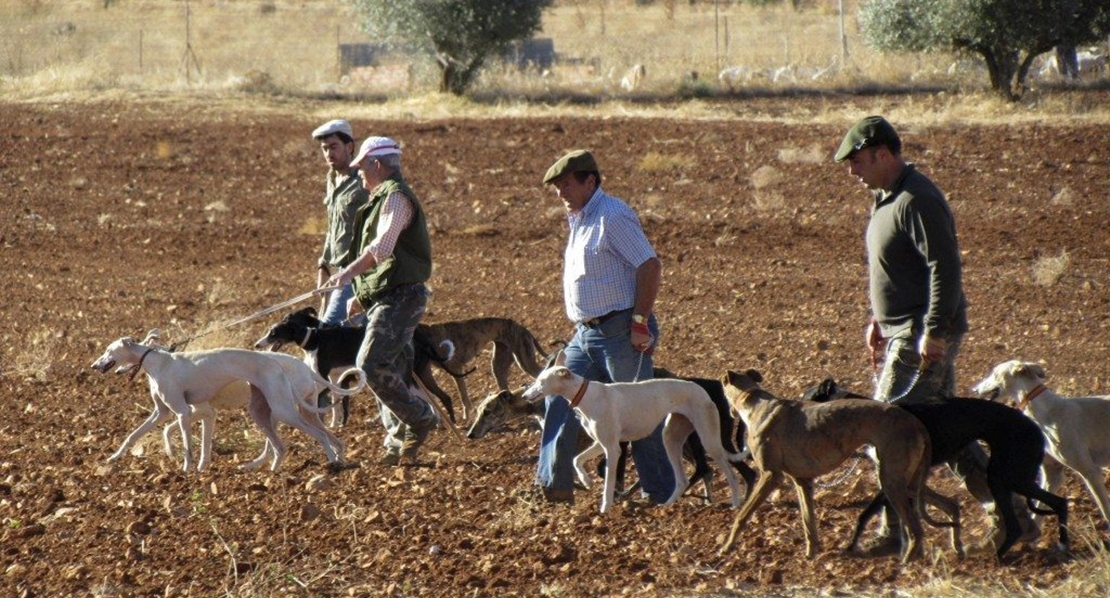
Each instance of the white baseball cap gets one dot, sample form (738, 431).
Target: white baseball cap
(374, 147)
(332, 127)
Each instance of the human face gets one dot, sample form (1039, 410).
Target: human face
(336, 153)
(372, 173)
(573, 193)
(866, 166)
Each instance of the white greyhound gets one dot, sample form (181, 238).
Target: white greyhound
(620, 411)
(1074, 428)
(280, 387)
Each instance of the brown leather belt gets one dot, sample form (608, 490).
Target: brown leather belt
(598, 321)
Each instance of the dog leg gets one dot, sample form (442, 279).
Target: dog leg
(460, 384)
(1092, 477)
(611, 452)
(582, 458)
(766, 482)
(207, 416)
(675, 431)
(502, 363)
(159, 416)
(262, 415)
(803, 487)
(950, 508)
(183, 412)
(864, 517)
(1003, 502)
(1058, 504)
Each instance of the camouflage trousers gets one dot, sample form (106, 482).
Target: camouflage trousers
(386, 357)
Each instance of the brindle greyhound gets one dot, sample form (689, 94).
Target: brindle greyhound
(803, 440)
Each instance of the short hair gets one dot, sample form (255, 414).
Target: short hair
(391, 160)
(345, 138)
(582, 175)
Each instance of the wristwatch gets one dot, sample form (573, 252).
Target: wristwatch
(639, 319)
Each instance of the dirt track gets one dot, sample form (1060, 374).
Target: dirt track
(123, 217)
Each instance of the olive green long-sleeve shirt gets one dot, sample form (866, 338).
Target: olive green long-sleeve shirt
(916, 275)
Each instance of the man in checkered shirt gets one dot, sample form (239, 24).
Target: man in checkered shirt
(611, 278)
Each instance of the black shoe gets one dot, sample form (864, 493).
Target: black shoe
(415, 437)
(881, 546)
(558, 495)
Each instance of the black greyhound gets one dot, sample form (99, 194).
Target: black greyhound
(337, 346)
(1016, 451)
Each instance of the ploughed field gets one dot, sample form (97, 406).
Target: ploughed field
(125, 216)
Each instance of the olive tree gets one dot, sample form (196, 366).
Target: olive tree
(461, 34)
(1007, 34)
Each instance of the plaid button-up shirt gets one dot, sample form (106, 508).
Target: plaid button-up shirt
(605, 246)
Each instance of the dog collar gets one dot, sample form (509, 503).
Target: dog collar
(581, 393)
(139, 367)
(307, 336)
(1036, 392)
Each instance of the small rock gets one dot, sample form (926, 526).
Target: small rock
(140, 528)
(319, 482)
(309, 512)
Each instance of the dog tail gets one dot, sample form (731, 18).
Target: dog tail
(450, 349)
(360, 383)
(738, 457)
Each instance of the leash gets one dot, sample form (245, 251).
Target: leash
(913, 382)
(256, 315)
(844, 476)
(855, 462)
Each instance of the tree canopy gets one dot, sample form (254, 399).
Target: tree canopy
(461, 34)
(1007, 34)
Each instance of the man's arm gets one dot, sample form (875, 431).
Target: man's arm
(649, 278)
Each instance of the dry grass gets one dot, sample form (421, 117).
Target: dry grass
(71, 51)
(1048, 270)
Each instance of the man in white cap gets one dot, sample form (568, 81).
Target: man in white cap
(343, 197)
(392, 262)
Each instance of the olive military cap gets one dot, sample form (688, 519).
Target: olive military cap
(575, 161)
(869, 132)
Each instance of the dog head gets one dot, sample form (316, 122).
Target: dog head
(828, 390)
(498, 409)
(1010, 379)
(293, 328)
(125, 352)
(556, 380)
(743, 391)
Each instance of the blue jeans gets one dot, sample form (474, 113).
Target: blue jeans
(336, 311)
(603, 354)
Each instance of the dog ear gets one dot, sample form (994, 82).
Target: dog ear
(560, 358)
(154, 335)
(754, 375)
(1037, 370)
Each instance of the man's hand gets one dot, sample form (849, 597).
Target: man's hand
(640, 337)
(932, 348)
(876, 344)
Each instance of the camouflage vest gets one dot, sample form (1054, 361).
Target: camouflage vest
(411, 261)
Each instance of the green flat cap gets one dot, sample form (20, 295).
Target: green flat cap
(869, 132)
(575, 161)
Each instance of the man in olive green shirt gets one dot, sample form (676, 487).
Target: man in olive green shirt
(343, 197)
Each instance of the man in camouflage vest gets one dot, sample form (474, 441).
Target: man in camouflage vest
(394, 260)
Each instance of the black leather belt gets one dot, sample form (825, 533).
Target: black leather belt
(598, 321)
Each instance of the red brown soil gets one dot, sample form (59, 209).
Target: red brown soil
(121, 217)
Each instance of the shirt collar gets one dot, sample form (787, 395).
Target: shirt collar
(882, 196)
(590, 207)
